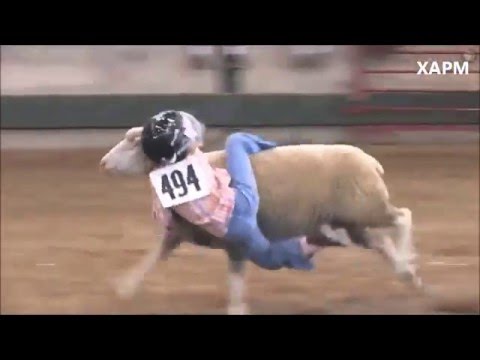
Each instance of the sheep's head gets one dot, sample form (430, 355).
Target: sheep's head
(127, 157)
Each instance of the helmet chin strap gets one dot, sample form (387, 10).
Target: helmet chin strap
(175, 136)
(179, 151)
(172, 160)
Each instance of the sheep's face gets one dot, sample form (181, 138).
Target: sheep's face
(127, 157)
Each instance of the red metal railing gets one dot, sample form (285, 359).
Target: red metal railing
(362, 90)
(431, 52)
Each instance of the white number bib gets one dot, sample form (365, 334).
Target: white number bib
(180, 183)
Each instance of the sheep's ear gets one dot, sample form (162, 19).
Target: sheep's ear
(136, 140)
(133, 133)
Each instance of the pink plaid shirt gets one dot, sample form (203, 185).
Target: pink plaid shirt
(212, 212)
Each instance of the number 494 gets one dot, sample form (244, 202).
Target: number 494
(177, 179)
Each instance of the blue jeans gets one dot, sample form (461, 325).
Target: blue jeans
(243, 229)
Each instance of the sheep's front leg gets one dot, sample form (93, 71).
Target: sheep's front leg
(236, 282)
(127, 286)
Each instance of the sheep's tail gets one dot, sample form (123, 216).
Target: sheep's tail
(376, 164)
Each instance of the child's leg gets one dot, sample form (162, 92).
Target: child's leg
(238, 148)
(289, 253)
(273, 256)
(243, 228)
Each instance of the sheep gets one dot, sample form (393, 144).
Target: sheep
(340, 186)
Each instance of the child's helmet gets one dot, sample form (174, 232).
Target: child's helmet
(164, 139)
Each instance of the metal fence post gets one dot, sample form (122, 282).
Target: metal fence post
(229, 72)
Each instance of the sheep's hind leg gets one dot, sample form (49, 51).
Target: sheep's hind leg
(384, 244)
(405, 249)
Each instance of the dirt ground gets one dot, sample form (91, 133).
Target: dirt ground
(67, 230)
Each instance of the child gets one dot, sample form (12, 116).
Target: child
(229, 209)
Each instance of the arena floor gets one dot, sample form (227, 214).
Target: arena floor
(67, 231)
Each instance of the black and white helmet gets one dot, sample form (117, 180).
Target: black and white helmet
(168, 136)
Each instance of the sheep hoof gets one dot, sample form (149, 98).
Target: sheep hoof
(418, 283)
(429, 291)
(408, 274)
(240, 309)
(125, 288)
